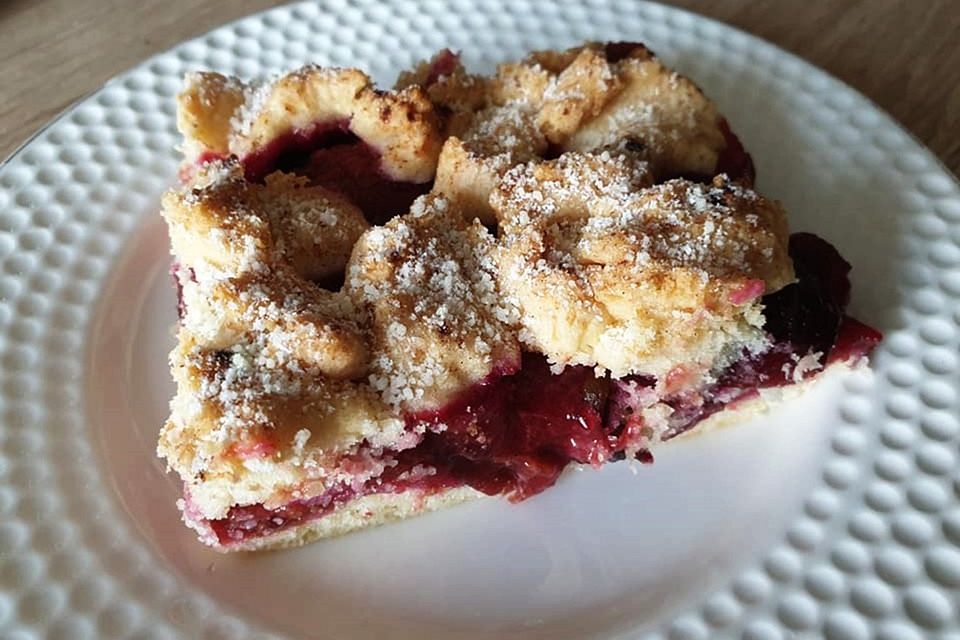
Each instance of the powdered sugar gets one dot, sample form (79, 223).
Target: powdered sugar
(439, 321)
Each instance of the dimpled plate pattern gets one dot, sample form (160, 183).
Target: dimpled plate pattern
(870, 548)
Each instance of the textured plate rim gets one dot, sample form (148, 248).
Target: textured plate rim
(749, 588)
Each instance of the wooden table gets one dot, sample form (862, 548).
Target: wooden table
(902, 54)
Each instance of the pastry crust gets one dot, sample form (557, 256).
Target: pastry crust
(360, 513)
(470, 168)
(661, 112)
(247, 429)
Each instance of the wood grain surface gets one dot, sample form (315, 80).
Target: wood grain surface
(902, 54)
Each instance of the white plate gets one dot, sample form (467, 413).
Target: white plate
(837, 517)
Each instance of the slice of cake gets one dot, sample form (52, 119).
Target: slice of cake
(395, 301)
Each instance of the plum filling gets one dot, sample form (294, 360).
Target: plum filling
(253, 521)
(443, 64)
(330, 155)
(734, 159)
(513, 433)
(178, 271)
(617, 51)
(352, 169)
(509, 434)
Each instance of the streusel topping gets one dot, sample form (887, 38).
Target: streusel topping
(632, 279)
(470, 168)
(438, 320)
(223, 116)
(587, 98)
(660, 110)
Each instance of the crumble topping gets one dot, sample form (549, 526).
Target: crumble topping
(222, 116)
(315, 229)
(470, 168)
(286, 388)
(437, 318)
(577, 93)
(662, 112)
(587, 98)
(636, 280)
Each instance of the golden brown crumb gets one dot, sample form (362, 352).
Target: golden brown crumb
(286, 389)
(610, 272)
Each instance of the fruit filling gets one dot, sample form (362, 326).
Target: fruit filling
(514, 433)
(734, 159)
(333, 157)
